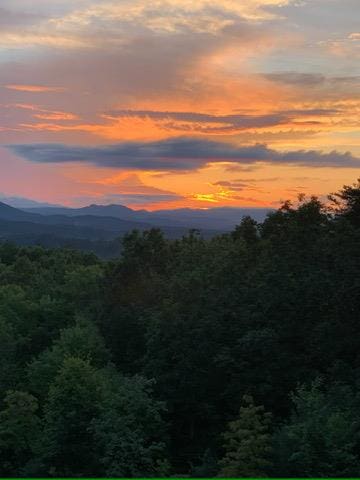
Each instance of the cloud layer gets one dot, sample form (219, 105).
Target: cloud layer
(94, 89)
(179, 154)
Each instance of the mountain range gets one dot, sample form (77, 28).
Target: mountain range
(220, 218)
(86, 226)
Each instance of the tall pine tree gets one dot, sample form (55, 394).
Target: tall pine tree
(247, 442)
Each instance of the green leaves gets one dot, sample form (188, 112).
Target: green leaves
(67, 446)
(19, 431)
(322, 436)
(247, 443)
(81, 341)
(129, 430)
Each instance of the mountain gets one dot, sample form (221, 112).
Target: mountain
(96, 227)
(16, 215)
(91, 233)
(108, 224)
(21, 202)
(220, 218)
(116, 211)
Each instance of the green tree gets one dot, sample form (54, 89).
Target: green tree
(346, 202)
(97, 422)
(129, 430)
(248, 230)
(321, 438)
(247, 442)
(19, 432)
(10, 366)
(81, 340)
(67, 447)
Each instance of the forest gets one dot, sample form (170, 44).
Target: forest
(234, 356)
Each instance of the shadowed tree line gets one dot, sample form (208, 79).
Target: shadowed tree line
(233, 356)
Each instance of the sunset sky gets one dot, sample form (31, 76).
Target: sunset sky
(172, 103)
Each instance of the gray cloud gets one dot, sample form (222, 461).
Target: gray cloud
(312, 112)
(140, 199)
(240, 184)
(202, 123)
(311, 79)
(114, 65)
(178, 154)
(118, 60)
(10, 19)
(234, 186)
(131, 190)
(297, 78)
(231, 122)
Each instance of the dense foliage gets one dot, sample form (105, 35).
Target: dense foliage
(238, 355)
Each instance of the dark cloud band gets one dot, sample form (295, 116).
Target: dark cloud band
(140, 198)
(235, 122)
(178, 154)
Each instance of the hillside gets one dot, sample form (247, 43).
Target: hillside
(81, 231)
(221, 218)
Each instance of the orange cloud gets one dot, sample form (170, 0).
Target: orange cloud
(56, 116)
(34, 88)
(205, 197)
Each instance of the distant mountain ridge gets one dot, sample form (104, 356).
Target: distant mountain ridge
(22, 202)
(219, 218)
(14, 214)
(96, 227)
(97, 234)
(100, 227)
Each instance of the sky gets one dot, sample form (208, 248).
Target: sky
(178, 103)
